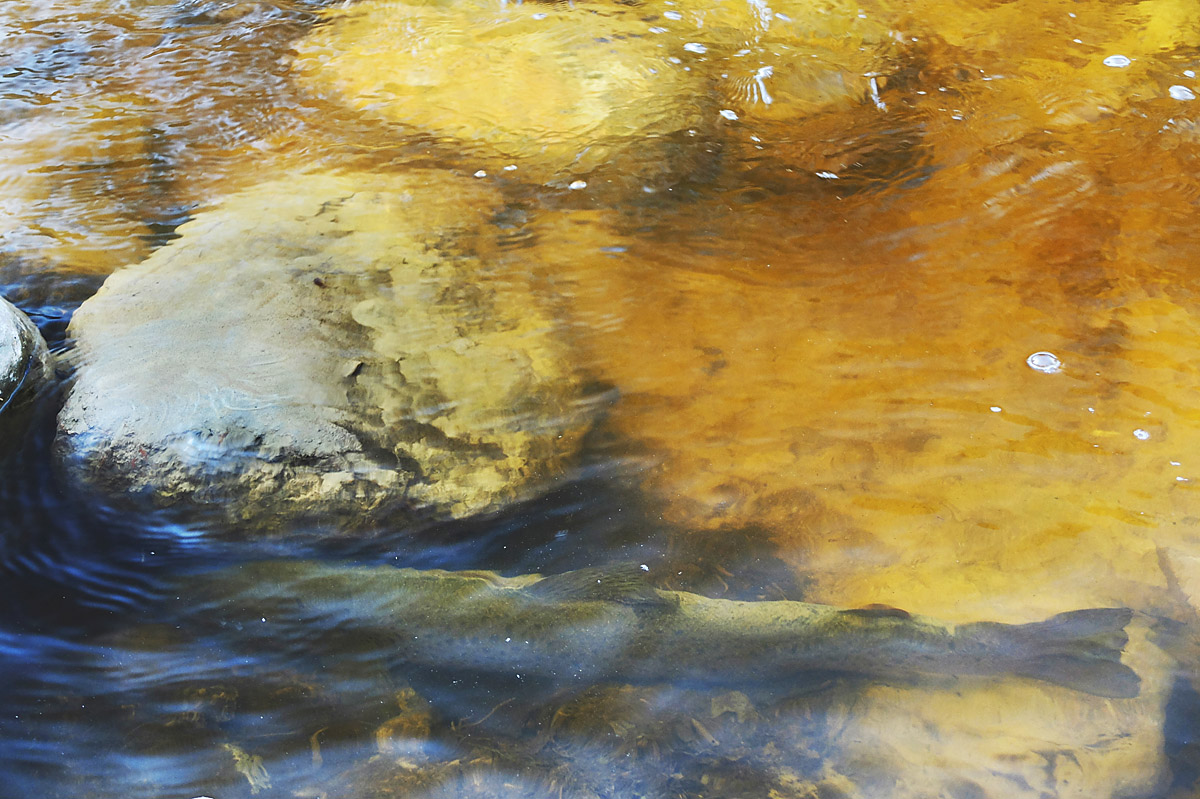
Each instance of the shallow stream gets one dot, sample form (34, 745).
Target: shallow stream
(887, 303)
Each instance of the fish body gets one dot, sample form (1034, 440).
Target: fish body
(592, 626)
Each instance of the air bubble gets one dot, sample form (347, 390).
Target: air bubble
(1141, 435)
(1045, 362)
(1178, 92)
(1118, 61)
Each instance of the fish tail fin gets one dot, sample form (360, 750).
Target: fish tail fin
(1080, 649)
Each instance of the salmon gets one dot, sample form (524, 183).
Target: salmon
(589, 626)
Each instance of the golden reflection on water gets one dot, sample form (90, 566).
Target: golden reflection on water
(881, 402)
(816, 311)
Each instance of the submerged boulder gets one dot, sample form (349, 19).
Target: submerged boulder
(557, 89)
(560, 90)
(328, 348)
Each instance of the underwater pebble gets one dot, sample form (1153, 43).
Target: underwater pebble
(1045, 362)
(578, 184)
(996, 409)
(1181, 93)
(481, 174)
(1141, 434)
(1119, 61)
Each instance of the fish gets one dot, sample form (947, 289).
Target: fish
(590, 626)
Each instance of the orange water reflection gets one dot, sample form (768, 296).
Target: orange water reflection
(847, 367)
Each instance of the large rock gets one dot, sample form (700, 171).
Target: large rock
(327, 346)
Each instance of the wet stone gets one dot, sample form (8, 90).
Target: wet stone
(24, 363)
(334, 348)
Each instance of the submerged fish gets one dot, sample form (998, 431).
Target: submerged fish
(589, 626)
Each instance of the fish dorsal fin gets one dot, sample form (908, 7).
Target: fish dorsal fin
(625, 583)
(877, 611)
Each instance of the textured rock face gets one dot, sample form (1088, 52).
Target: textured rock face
(328, 347)
(24, 359)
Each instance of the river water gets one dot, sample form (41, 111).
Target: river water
(886, 303)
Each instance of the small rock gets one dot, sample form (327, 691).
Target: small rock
(24, 364)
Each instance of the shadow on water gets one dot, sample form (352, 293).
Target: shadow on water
(105, 696)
